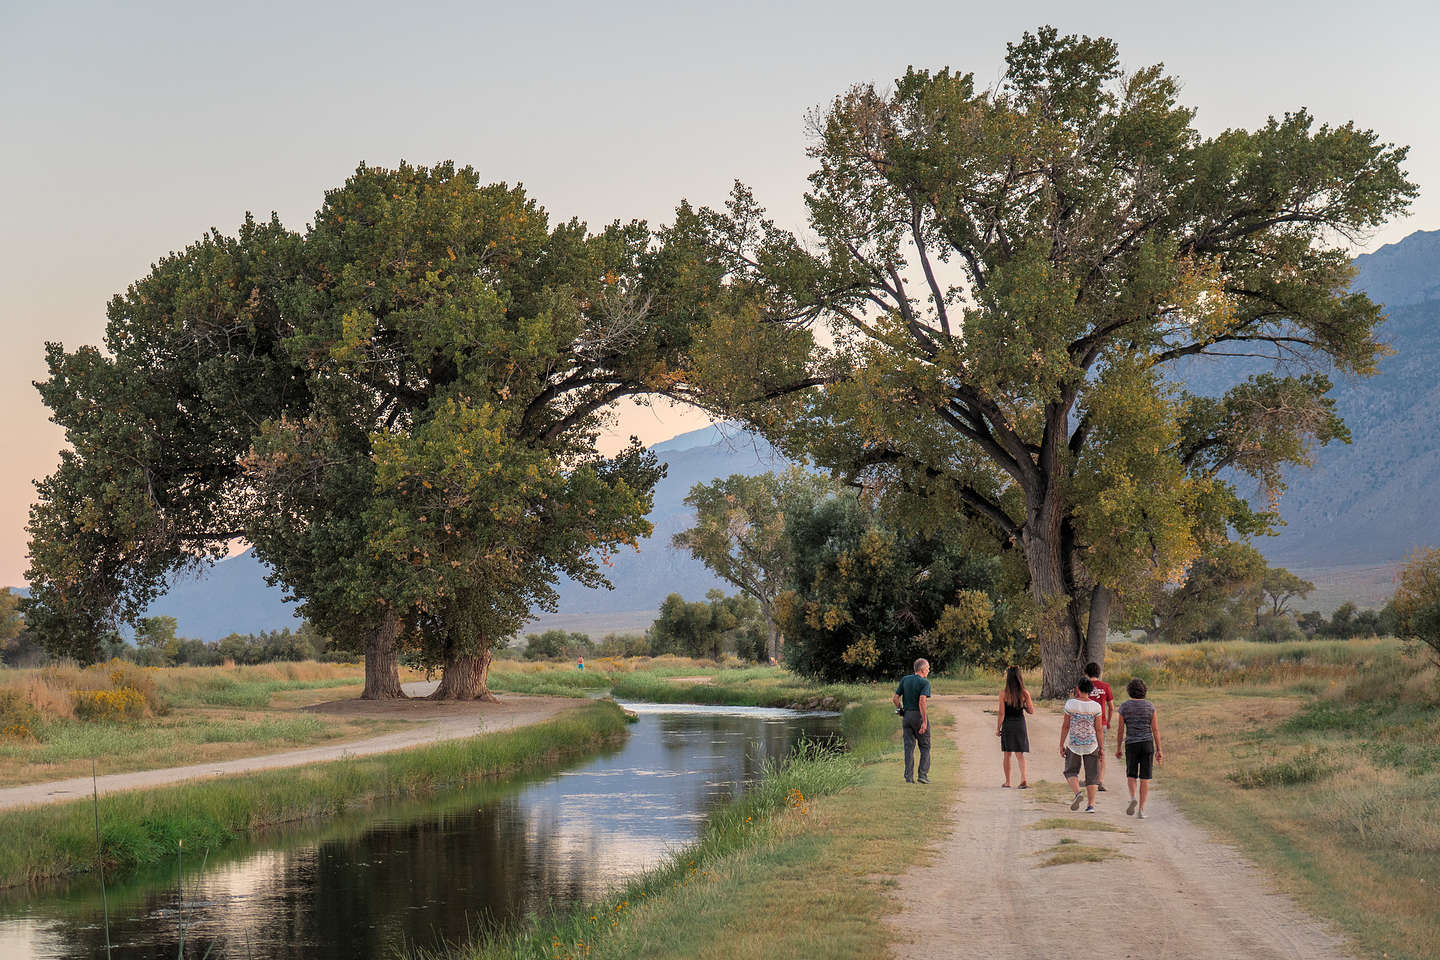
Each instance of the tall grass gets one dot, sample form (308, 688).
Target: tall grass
(140, 827)
(1309, 666)
(1331, 777)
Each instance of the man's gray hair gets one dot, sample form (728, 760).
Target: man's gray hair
(922, 662)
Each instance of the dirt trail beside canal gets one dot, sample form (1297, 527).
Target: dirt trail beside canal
(429, 722)
(1167, 891)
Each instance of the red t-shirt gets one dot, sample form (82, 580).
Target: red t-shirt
(1103, 695)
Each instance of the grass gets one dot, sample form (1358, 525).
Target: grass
(1307, 766)
(748, 888)
(140, 827)
(1071, 851)
(1328, 774)
(1062, 823)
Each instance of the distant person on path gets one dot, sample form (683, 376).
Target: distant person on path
(1015, 702)
(580, 664)
(1104, 696)
(1137, 738)
(910, 699)
(1080, 743)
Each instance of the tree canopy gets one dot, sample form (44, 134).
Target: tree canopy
(1417, 599)
(868, 599)
(739, 533)
(399, 409)
(156, 426)
(1003, 281)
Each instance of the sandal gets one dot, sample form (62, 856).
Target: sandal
(1005, 786)
(1023, 786)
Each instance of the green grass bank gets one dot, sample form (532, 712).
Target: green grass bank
(139, 827)
(798, 866)
(678, 680)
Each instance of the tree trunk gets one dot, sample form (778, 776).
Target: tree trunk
(465, 675)
(382, 661)
(1097, 628)
(773, 647)
(1056, 625)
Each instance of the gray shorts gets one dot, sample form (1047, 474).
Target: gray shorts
(1091, 761)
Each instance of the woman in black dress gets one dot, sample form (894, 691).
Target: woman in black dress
(1015, 702)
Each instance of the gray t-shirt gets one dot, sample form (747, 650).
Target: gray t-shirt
(1138, 715)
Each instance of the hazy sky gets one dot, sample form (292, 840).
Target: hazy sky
(128, 129)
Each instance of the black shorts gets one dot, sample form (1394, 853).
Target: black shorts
(1139, 759)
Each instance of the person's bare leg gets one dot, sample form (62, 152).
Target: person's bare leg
(1005, 762)
(1130, 782)
(1024, 775)
(1144, 792)
(1090, 794)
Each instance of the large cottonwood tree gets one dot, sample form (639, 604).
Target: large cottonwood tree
(464, 355)
(157, 424)
(1006, 279)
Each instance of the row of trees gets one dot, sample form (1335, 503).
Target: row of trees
(853, 595)
(399, 407)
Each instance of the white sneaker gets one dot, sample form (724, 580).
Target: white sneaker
(1079, 795)
(1139, 814)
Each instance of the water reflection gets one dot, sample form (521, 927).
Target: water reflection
(432, 873)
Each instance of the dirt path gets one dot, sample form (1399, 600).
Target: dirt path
(432, 722)
(1175, 895)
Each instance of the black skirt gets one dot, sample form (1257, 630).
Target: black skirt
(1014, 738)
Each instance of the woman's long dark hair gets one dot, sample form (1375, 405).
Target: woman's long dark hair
(1014, 687)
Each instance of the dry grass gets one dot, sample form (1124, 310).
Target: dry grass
(54, 720)
(1072, 851)
(1336, 793)
(1070, 823)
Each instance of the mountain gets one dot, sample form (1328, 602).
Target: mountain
(230, 597)
(642, 579)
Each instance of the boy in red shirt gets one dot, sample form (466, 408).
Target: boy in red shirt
(1104, 696)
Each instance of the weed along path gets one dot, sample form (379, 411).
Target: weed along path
(1158, 888)
(427, 722)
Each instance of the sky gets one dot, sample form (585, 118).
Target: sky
(128, 130)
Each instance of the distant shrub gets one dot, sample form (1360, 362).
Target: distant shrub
(557, 645)
(119, 703)
(18, 717)
(623, 645)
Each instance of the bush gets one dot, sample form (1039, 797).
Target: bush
(18, 717)
(869, 600)
(1305, 767)
(622, 645)
(118, 703)
(557, 645)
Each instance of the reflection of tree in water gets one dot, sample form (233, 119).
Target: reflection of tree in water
(432, 878)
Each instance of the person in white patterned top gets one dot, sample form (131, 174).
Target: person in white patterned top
(1080, 744)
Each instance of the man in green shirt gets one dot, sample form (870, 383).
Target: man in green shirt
(910, 697)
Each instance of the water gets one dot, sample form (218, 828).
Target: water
(431, 873)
